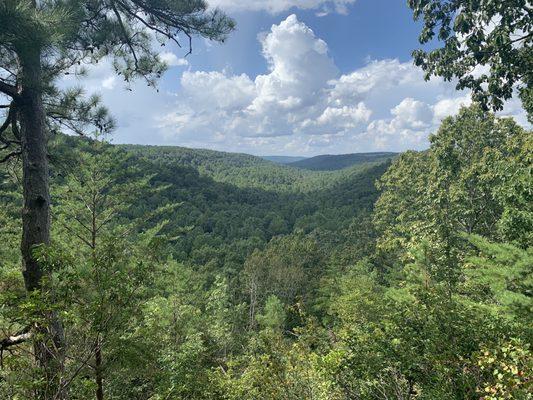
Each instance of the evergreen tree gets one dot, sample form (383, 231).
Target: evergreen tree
(43, 40)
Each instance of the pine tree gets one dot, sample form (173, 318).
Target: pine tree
(40, 41)
(109, 276)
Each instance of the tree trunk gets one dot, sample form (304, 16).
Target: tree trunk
(49, 348)
(98, 370)
(36, 211)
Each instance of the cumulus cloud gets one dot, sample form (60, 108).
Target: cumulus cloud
(344, 117)
(279, 103)
(450, 106)
(276, 6)
(302, 104)
(216, 91)
(293, 98)
(408, 128)
(383, 75)
(412, 114)
(172, 60)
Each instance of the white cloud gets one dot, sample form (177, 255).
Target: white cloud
(277, 6)
(381, 75)
(303, 105)
(109, 82)
(409, 126)
(412, 114)
(274, 104)
(172, 60)
(345, 117)
(450, 106)
(216, 91)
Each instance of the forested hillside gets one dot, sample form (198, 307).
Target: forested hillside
(334, 162)
(193, 274)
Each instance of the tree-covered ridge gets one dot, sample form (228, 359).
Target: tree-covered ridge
(340, 161)
(219, 203)
(283, 159)
(245, 170)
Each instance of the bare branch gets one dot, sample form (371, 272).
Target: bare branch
(70, 230)
(14, 340)
(10, 155)
(8, 89)
(125, 33)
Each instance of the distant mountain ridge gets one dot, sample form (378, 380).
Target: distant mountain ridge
(331, 162)
(283, 159)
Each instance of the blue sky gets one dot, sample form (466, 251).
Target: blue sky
(371, 29)
(297, 77)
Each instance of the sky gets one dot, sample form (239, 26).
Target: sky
(297, 77)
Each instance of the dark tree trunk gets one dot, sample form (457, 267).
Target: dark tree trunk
(36, 211)
(49, 348)
(98, 370)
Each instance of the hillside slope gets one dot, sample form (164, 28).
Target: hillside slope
(329, 162)
(228, 198)
(247, 171)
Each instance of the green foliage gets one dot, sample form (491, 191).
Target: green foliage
(405, 339)
(503, 276)
(458, 185)
(206, 275)
(505, 371)
(486, 45)
(276, 369)
(273, 316)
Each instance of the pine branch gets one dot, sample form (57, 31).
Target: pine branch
(150, 26)
(126, 36)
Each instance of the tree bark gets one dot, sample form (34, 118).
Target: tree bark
(49, 348)
(36, 211)
(98, 370)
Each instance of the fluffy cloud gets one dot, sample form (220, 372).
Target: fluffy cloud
(277, 6)
(412, 114)
(382, 75)
(293, 98)
(304, 106)
(172, 60)
(450, 106)
(216, 91)
(301, 105)
(344, 117)
(408, 128)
